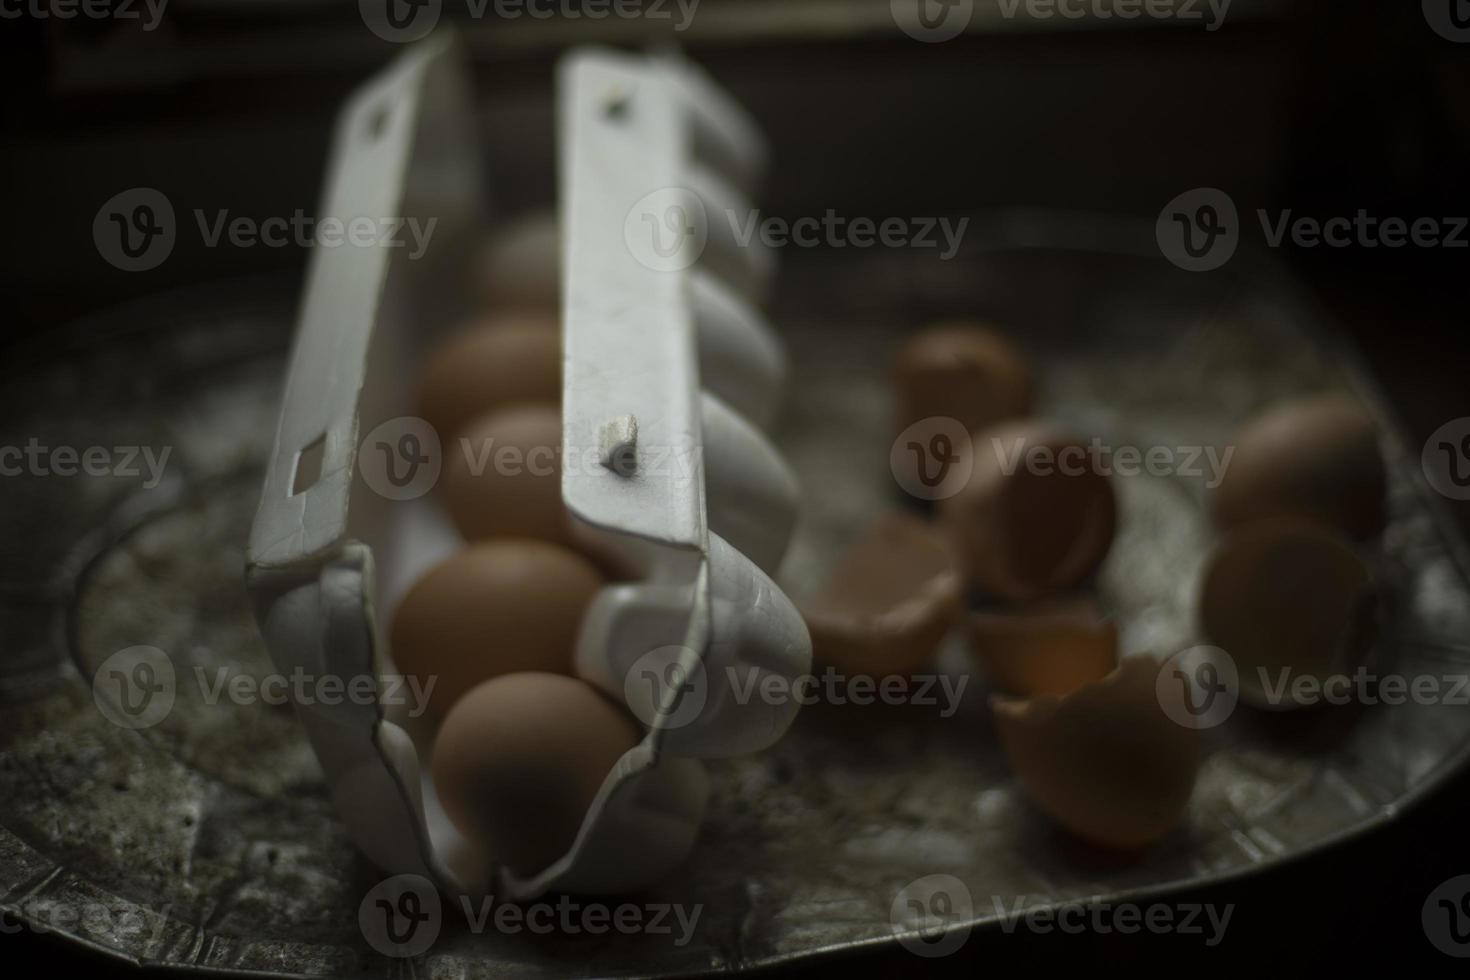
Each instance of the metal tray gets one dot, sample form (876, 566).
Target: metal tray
(207, 841)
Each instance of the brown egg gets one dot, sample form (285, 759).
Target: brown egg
(495, 608)
(963, 371)
(520, 267)
(1051, 647)
(498, 361)
(1037, 516)
(503, 476)
(1105, 762)
(891, 600)
(520, 758)
(1316, 458)
(1286, 595)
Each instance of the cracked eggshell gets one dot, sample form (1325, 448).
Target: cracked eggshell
(1051, 647)
(890, 601)
(1105, 762)
(1314, 458)
(1036, 518)
(1287, 596)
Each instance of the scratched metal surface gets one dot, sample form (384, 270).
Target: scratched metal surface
(213, 826)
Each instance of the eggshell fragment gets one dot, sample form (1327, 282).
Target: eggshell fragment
(960, 370)
(891, 600)
(1315, 458)
(1105, 762)
(1287, 600)
(498, 361)
(520, 758)
(503, 477)
(495, 608)
(1025, 527)
(1051, 647)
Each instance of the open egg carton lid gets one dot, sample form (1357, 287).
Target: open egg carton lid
(676, 479)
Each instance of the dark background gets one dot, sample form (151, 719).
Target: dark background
(1322, 107)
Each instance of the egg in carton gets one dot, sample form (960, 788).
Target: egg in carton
(669, 376)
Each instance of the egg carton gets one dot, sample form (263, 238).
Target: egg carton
(670, 373)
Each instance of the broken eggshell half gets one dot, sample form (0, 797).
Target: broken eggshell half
(1049, 647)
(889, 602)
(1106, 762)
